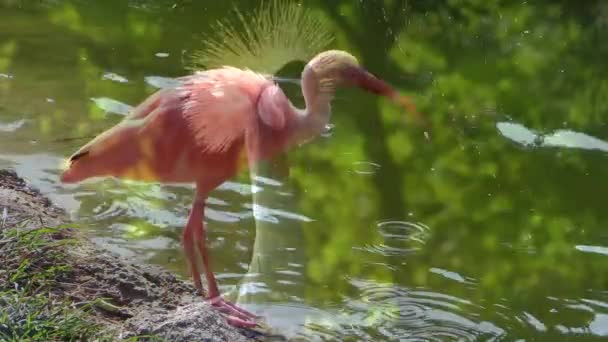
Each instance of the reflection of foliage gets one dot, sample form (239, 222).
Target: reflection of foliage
(489, 205)
(504, 216)
(7, 49)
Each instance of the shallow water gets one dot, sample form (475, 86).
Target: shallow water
(493, 228)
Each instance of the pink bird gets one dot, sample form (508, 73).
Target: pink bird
(206, 128)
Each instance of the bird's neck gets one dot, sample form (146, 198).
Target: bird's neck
(309, 125)
(314, 118)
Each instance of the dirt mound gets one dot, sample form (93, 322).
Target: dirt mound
(129, 299)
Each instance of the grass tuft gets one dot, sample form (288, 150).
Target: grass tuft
(38, 318)
(34, 263)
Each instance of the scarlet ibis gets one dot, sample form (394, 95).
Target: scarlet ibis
(207, 127)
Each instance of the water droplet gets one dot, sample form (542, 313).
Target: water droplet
(328, 131)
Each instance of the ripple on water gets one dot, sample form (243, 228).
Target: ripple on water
(389, 313)
(400, 238)
(10, 127)
(133, 207)
(319, 332)
(267, 181)
(455, 276)
(594, 311)
(111, 76)
(109, 105)
(108, 209)
(225, 216)
(270, 215)
(420, 315)
(162, 82)
(592, 249)
(365, 168)
(404, 231)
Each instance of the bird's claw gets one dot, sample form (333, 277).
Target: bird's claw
(234, 315)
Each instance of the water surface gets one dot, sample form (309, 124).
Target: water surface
(492, 229)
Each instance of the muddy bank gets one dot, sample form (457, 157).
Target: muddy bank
(127, 299)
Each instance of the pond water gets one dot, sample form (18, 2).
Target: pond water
(494, 228)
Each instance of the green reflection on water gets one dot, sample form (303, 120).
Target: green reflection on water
(512, 233)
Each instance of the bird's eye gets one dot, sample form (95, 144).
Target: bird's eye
(78, 155)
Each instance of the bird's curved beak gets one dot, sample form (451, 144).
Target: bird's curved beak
(68, 175)
(359, 77)
(72, 171)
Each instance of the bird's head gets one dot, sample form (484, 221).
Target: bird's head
(332, 65)
(331, 69)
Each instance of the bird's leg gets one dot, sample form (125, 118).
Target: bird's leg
(191, 250)
(235, 315)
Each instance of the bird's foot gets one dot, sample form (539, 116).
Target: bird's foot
(235, 316)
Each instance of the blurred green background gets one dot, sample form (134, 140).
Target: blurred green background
(492, 229)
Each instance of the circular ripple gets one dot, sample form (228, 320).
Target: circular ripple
(400, 238)
(385, 250)
(443, 333)
(365, 168)
(417, 315)
(404, 231)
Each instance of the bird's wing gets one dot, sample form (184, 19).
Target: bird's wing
(149, 105)
(220, 107)
(273, 106)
